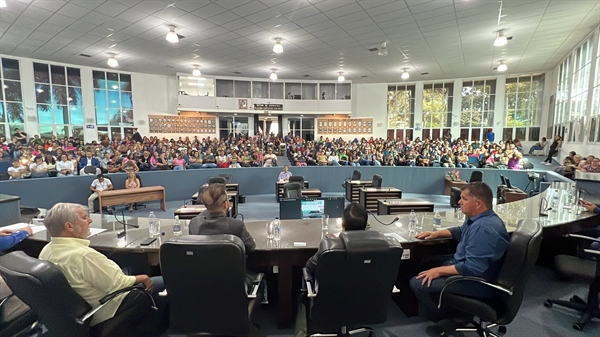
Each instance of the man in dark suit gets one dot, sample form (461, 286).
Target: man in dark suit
(88, 160)
(215, 220)
(136, 136)
(354, 218)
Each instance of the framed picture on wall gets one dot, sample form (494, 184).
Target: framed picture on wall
(243, 103)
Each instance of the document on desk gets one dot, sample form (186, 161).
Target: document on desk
(21, 225)
(95, 231)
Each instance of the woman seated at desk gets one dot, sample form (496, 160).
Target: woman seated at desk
(132, 182)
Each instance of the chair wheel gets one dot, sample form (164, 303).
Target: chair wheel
(578, 326)
(548, 304)
(502, 330)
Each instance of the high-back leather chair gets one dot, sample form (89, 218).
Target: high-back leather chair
(216, 180)
(581, 269)
(292, 191)
(205, 277)
(507, 292)
(455, 197)
(297, 179)
(44, 288)
(228, 177)
(16, 318)
(476, 176)
(355, 276)
(377, 180)
(356, 175)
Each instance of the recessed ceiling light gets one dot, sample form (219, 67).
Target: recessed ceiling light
(341, 78)
(196, 71)
(502, 66)
(405, 75)
(501, 40)
(273, 75)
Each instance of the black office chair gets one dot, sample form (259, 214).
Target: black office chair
(89, 170)
(138, 205)
(16, 318)
(585, 270)
(44, 288)
(205, 277)
(228, 177)
(297, 179)
(355, 277)
(455, 198)
(528, 166)
(217, 180)
(507, 292)
(377, 180)
(356, 175)
(476, 176)
(292, 191)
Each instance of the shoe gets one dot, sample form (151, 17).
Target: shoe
(543, 162)
(547, 164)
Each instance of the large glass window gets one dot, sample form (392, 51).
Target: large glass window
(113, 101)
(401, 111)
(233, 126)
(59, 100)
(594, 129)
(477, 108)
(196, 86)
(523, 105)
(12, 116)
(437, 109)
(303, 127)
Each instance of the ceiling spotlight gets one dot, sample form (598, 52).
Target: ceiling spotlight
(171, 35)
(278, 48)
(2, 3)
(501, 40)
(273, 75)
(383, 49)
(196, 71)
(502, 66)
(341, 78)
(405, 75)
(112, 61)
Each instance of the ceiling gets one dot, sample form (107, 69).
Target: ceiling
(444, 38)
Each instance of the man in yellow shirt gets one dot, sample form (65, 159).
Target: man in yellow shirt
(91, 274)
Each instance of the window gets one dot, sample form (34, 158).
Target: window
(437, 109)
(594, 133)
(114, 103)
(59, 103)
(523, 106)
(401, 111)
(233, 126)
(477, 110)
(196, 86)
(302, 127)
(12, 115)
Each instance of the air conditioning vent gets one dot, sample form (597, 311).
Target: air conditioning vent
(373, 49)
(85, 55)
(424, 74)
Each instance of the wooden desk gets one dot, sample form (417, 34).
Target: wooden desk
(127, 196)
(233, 200)
(448, 184)
(279, 189)
(514, 195)
(352, 187)
(311, 192)
(397, 206)
(368, 196)
(188, 212)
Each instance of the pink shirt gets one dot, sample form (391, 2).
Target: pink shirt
(178, 162)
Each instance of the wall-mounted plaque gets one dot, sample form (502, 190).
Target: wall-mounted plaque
(181, 124)
(337, 126)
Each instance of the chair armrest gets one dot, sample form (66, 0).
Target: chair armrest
(256, 284)
(593, 252)
(309, 283)
(579, 236)
(459, 278)
(104, 300)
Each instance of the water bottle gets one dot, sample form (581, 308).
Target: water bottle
(437, 221)
(555, 201)
(277, 229)
(154, 227)
(177, 226)
(412, 221)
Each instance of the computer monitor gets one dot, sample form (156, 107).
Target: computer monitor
(503, 180)
(311, 208)
(508, 185)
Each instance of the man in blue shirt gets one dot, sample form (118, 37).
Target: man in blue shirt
(482, 242)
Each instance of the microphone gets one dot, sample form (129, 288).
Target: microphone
(124, 223)
(385, 224)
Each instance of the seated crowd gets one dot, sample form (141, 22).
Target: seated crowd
(575, 162)
(443, 152)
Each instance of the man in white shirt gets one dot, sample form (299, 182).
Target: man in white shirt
(16, 171)
(91, 274)
(98, 185)
(269, 159)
